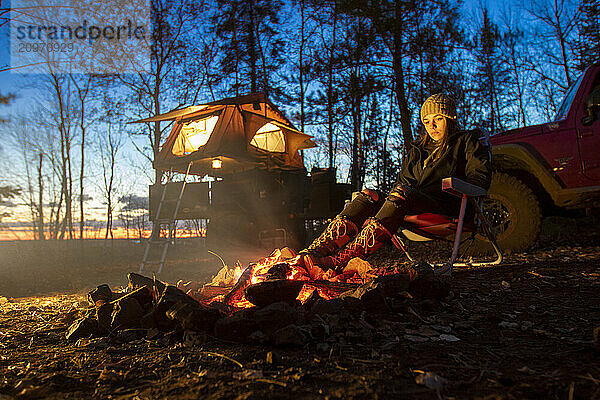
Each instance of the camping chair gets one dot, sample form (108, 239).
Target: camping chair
(428, 226)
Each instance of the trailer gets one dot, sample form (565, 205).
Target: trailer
(256, 188)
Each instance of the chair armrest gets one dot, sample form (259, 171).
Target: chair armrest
(459, 187)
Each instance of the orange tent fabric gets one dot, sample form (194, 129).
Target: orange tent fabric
(229, 138)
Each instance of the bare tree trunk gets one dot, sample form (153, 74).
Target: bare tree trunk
(40, 207)
(108, 166)
(385, 178)
(252, 49)
(301, 66)
(82, 94)
(65, 147)
(401, 97)
(330, 104)
(357, 167)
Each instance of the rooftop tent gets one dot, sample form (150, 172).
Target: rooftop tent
(243, 133)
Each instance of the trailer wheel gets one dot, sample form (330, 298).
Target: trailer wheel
(514, 212)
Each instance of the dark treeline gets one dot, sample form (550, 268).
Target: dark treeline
(351, 73)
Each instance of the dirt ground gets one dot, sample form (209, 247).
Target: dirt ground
(522, 330)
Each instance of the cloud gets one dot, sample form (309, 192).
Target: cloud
(132, 202)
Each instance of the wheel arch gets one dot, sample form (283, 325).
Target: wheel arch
(518, 161)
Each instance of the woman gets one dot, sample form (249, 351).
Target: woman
(441, 151)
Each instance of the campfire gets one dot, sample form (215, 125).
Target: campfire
(280, 271)
(274, 300)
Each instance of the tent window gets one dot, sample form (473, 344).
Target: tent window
(194, 135)
(269, 138)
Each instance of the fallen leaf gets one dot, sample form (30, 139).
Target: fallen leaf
(416, 339)
(508, 325)
(449, 338)
(431, 380)
(249, 374)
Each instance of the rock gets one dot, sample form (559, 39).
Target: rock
(144, 296)
(291, 335)
(322, 306)
(237, 327)
(82, 328)
(272, 291)
(127, 313)
(104, 317)
(224, 309)
(102, 294)
(137, 281)
(312, 299)
(169, 297)
(194, 317)
(275, 316)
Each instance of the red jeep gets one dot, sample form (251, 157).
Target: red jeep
(538, 168)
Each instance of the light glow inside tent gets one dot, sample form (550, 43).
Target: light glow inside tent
(269, 138)
(194, 134)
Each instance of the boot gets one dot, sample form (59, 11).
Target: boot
(339, 232)
(368, 241)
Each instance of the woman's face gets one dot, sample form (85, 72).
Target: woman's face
(436, 126)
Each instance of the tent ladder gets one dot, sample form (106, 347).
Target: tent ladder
(156, 241)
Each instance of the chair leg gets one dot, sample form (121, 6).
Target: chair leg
(459, 228)
(401, 246)
(490, 234)
(447, 268)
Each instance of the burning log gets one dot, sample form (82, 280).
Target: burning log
(242, 282)
(278, 290)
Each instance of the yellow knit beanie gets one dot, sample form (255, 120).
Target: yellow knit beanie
(439, 104)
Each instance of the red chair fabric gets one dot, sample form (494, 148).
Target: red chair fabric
(436, 224)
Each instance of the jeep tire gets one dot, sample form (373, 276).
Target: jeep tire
(514, 212)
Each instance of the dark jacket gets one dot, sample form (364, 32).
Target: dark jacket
(464, 158)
